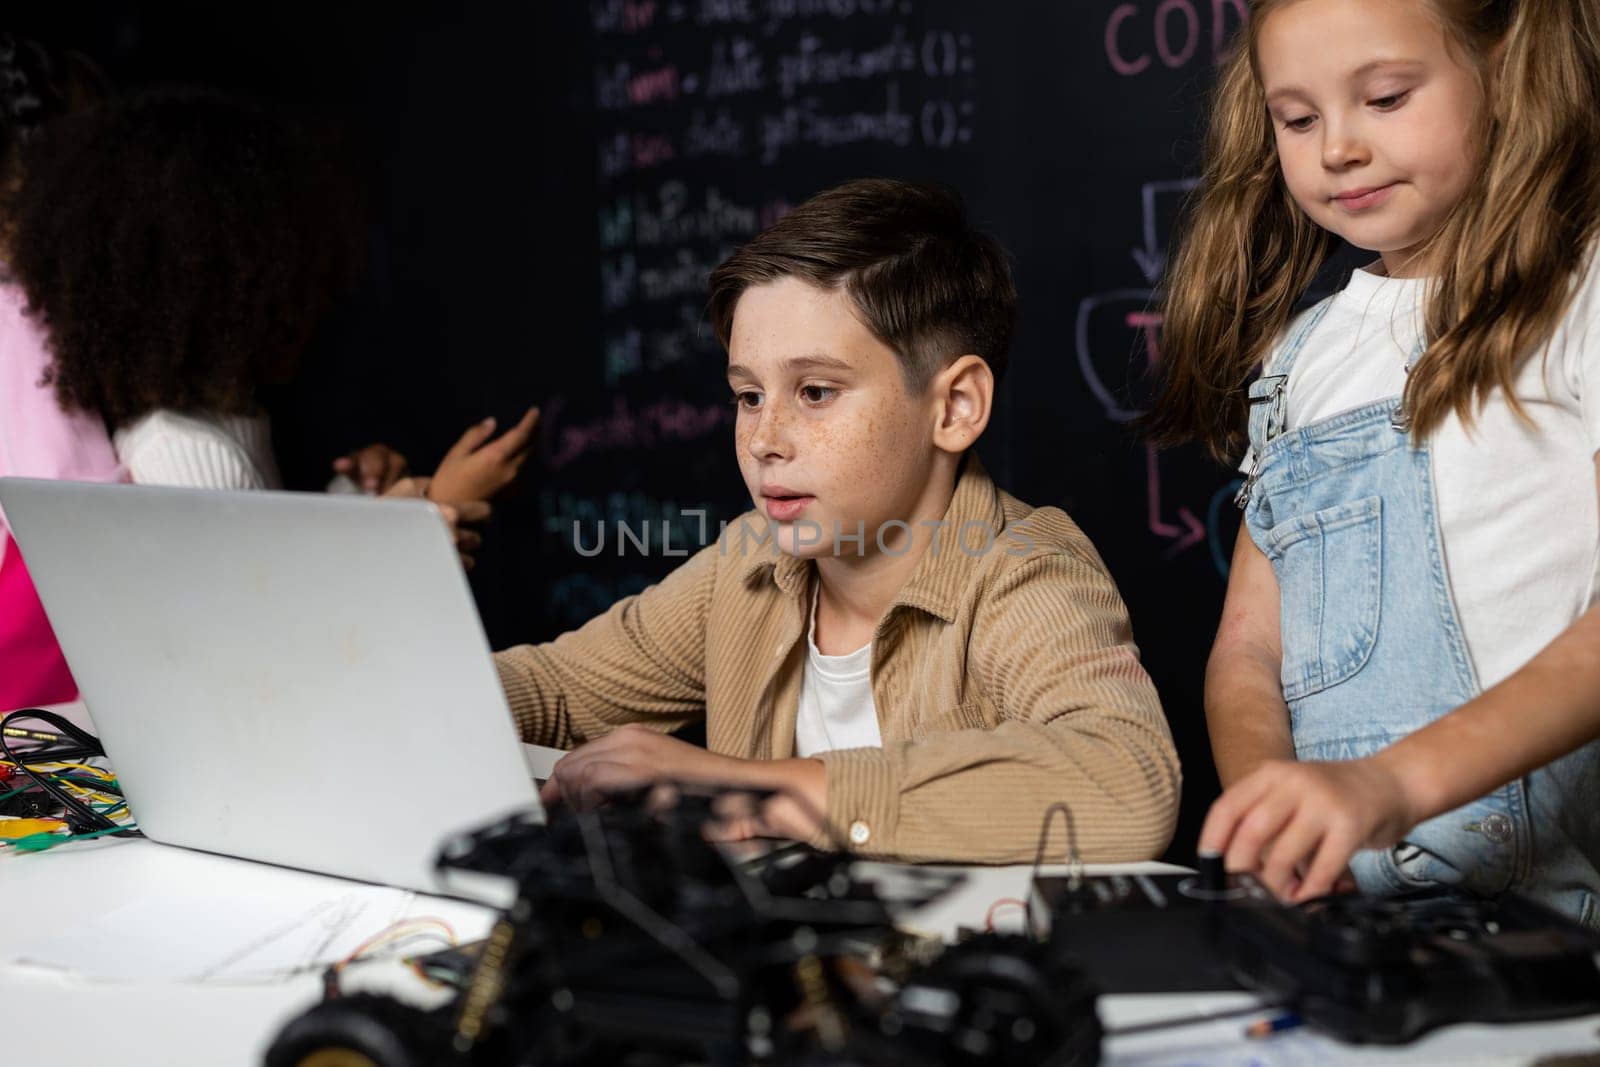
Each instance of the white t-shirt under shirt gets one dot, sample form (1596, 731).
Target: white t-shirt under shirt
(1517, 505)
(836, 706)
(200, 451)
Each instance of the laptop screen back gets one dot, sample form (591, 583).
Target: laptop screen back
(293, 678)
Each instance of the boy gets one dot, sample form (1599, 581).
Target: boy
(919, 662)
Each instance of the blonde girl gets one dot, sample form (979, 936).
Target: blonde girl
(1405, 684)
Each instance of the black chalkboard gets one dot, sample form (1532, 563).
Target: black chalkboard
(551, 182)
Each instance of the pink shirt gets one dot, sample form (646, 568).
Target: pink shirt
(37, 440)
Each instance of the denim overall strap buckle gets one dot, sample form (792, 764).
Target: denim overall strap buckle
(1266, 423)
(1401, 419)
(1269, 389)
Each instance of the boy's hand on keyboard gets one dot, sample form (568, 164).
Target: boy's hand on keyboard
(793, 813)
(632, 756)
(626, 758)
(1288, 817)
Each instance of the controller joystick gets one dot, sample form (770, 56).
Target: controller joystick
(1211, 882)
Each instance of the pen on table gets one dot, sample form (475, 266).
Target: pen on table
(1265, 1027)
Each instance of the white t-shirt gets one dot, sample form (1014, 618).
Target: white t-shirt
(836, 707)
(1517, 506)
(199, 451)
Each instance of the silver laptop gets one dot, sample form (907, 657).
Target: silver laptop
(293, 678)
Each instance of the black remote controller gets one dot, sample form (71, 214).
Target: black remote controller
(1151, 933)
(1384, 971)
(1364, 969)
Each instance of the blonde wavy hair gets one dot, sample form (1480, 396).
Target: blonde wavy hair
(1504, 263)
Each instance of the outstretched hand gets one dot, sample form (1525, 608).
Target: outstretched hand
(477, 468)
(1295, 825)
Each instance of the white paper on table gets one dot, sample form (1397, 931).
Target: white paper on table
(188, 936)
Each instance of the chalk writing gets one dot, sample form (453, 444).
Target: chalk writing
(576, 598)
(696, 97)
(1170, 33)
(1114, 315)
(1155, 197)
(662, 422)
(633, 350)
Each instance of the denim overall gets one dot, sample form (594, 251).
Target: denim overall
(1373, 650)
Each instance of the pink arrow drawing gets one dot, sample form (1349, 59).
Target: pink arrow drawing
(1193, 530)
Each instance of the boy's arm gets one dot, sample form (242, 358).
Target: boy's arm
(1081, 724)
(1245, 711)
(643, 661)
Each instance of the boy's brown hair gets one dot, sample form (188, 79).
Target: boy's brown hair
(922, 279)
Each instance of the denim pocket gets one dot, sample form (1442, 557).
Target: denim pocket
(1444, 853)
(1329, 565)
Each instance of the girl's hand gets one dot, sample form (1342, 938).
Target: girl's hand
(374, 469)
(457, 516)
(1287, 816)
(473, 470)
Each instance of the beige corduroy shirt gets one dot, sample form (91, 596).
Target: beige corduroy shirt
(1005, 680)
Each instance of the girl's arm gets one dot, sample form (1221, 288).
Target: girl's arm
(1245, 712)
(1285, 814)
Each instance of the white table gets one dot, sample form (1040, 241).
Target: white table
(172, 1024)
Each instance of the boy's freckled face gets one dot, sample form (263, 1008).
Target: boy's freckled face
(827, 433)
